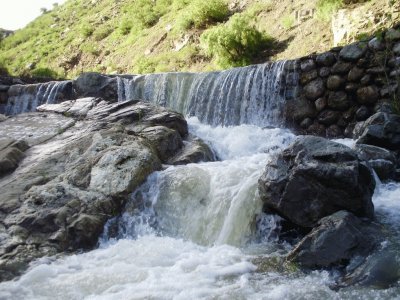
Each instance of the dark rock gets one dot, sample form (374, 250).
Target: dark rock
(348, 132)
(11, 153)
(324, 72)
(341, 67)
(314, 178)
(194, 151)
(317, 129)
(390, 89)
(394, 62)
(314, 89)
(300, 108)
(362, 113)
(365, 79)
(376, 44)
(381, 160)
(307, 122)
(326, 59)
(396, 49)
(377, 71)
(355, 74)
(337, 239)
(308, 76)
(351, 87)
(367, 94)
(395, 73)
(307, 65)
(96, 85)
(320, 104)
(382, 130)
(338, 100)
(334, 131)
(334, 82)
(392, 34)
(353, 52)
(328, 117)
(380, 270)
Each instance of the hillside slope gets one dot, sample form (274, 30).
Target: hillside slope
(145, 36)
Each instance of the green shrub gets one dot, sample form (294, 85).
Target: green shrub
(288, 21)
(125, 26)
(325, 8)
(235, 43)
(201, 13)
(102, 32)
(44, 72)
(86, 30)
(90, 48)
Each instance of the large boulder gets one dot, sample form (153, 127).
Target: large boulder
(314, 178)
(382, 130)
(93, 84)
(72, 182)
(336, 239)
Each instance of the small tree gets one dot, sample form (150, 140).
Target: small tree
(43, 10)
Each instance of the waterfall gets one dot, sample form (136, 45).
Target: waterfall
(248, 95)
(25, 98)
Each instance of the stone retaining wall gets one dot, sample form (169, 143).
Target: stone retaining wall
(344, 86)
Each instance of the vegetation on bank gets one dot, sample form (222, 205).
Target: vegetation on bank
(145, 36)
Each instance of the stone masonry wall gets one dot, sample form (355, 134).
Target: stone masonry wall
(341, 88)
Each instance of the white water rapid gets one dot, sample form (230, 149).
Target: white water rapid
(193, 232)
(25, 98)
(249, 95)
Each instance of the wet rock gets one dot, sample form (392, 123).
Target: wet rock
(382, 130)
(381, 160)
(380, 271)
(355, 74)
(308, 76)
(314, 178)
(326, 59)
(11, 153)
(307, 65)
(328, 117)
(300, 108)
(314, 89)
(396, 49)
(320, 104)
(362, 113)
(341, 67)
(335, 240)
(376, 44)
(366, 79)
(351, 87)
(334, 131)
(96, 85)
(392, 34)
(334, 82)
(307, 122)
(353, 52)
(367, 94)
(194, 151)
(317, 129)
(3, 117)
(338, 100)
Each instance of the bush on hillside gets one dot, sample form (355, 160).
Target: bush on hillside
(325, 8)
(102, 32)
(235, 43)
(147, 12)
(201, 13)
(125, 26)
(44, 73)
(86, 30)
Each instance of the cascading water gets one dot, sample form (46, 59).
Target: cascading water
(25, 98)
(249, 95)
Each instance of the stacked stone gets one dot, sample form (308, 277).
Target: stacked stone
(347, 85)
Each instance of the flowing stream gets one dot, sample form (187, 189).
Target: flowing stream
(197, 232)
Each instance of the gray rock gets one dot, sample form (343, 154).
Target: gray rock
(324, 72)
(308, 76)
(307, 122)
(382, 130)
(11, 154)
(320, 104)
(394, 62)
(334, 131)
(367, 94)
(336, 239)
(3, 117)
(341, 67)
(326, 59)
(381, 160)
(307, 65)
(328, 117)
(317, 129)
(300, 108)
(314, 89)
(314, 178)
(96, 85)
(392, 34)
(194, 151)
(335, 82)
(396, 49)
(376, 44)
(338, 100)
(353, 52)
(362, 113)
(355, 74)
(366, 79)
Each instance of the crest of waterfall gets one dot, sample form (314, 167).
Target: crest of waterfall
(26, 98)
(249, 95)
